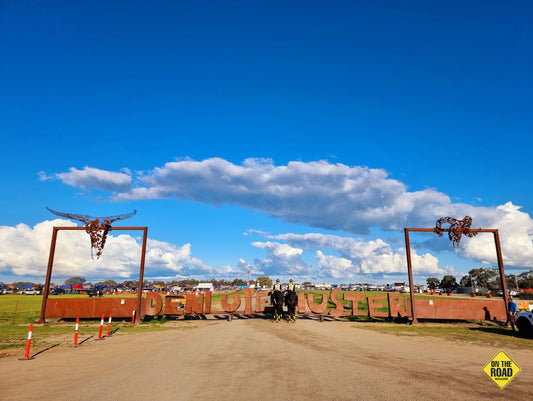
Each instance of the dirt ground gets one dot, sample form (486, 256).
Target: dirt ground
(255, 359)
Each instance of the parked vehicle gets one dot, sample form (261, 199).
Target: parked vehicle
(57, 291)
(32, 291)
(93, 292)
(524, 323)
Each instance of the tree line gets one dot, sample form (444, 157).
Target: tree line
(189, 282)
(482, 277)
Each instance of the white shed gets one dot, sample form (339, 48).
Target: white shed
(204, 287)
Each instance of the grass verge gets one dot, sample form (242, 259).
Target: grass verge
(478, 333)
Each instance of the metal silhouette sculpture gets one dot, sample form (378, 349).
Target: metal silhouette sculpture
(456, 230)
(96, 227)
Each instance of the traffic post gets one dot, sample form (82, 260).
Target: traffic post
(101, 328)
(28, 345)
(76, 332)
(109, 325)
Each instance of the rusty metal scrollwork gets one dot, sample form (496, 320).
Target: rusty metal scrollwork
(96, 227)
(456, 230)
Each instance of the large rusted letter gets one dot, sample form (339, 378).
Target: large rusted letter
(395, 305)
(355, 297)
(247, 301)
(301, 303)
(374, 303)
(208, 302)
(261, 299)
(174, 305)
(193, 305)
(226, 307)
(339, 307)
(320, 308)
(152, 304)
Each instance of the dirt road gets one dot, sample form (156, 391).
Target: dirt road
(255, 359)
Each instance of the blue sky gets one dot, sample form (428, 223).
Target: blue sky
(292, 139)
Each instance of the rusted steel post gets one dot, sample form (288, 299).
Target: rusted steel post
(141, 275)
(500, 266)
(46, 289)
(410, 271)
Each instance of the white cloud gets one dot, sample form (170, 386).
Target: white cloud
(335, 267)
(93, 178)
(24, 251)
(281, 259)
(318, 194)
(375, 257)
(515, 231)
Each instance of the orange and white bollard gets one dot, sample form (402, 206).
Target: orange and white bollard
(101, 328)
(133, 317)
(28, 344)
(109, 325)
(76, 332)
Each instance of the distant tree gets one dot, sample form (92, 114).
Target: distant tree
(466, 281)
(307, 283)
(264, 281)
(75, 281)
(512, 281)
(485, 277)
(238, 282)
(20, 284)
(433, 282)
(131, 284)
(525, 279)
(449, 283)
(107, 282)
(187, 283)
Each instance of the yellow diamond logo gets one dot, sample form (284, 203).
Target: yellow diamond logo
(501, 369)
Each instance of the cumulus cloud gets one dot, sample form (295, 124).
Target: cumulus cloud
(336, 267)
(93, 178)
(24, 251)
(319, 194)
(282, 259)
(373, 257)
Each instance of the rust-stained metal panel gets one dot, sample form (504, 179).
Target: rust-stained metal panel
(460, 309)
(90, 308)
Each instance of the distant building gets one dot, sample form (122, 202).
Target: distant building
(205, 287)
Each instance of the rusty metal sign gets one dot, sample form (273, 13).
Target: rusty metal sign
(249, 302)
(96, 227)
(456, 230)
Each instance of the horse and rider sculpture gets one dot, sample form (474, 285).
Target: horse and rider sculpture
(278, 297)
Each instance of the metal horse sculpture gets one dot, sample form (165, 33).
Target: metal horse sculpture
(276, 297)
(456, 230)
(96, 227)
(291, 300)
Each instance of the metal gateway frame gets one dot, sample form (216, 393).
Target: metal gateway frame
(46, 290)
(479, 230)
